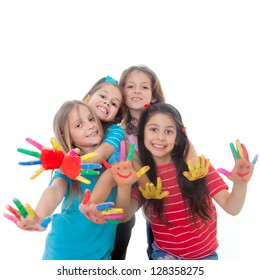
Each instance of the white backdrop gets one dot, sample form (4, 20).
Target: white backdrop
(205, 53)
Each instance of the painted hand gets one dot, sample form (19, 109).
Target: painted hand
(198, 171)
(123, 171)
(48, 158)
(25, 218)
(243, 169)
(152, 192)
(100, 213)
(74, 167)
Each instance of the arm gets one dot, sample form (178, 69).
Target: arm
(125, 201)
(114, 135)
(241, 174)
(27, 219)
(232, 202)
(51, 198)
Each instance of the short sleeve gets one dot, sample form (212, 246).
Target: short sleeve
(114, 135)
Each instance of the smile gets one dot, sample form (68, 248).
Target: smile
(124, 176)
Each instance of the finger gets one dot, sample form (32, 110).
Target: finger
(34, 143)
(164, 194)
(89, 172)
(29, 210)
(197, 162)
(20, 207)
(35, 162)
(234, 151)
(30, 153)
(104, 206)
(202, 161)
(122, 151)
(37, 173)
(159, 183)
(91, 166)
(83, 180)
(106, 164)
(11, 218)
(112, 211)
(245, 152)
(190, 165)
(88, 156)
(187, 175)
(73, 152)
(255, 159)
(86, 197)
(14, 211)
(55, 145)
(131, 152)
(114, 217)
(239, 149)
(45, 222)
(224, 171)
(142, 171)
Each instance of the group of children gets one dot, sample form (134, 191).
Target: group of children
(175, 193)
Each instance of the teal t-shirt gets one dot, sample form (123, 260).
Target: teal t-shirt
(73, 237)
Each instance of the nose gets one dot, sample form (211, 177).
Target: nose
(137, 90)
(90, 125)
(107, 103)
(161, 137)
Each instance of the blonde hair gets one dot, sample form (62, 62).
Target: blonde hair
(63, 137)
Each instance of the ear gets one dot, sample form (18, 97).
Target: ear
(153, 100)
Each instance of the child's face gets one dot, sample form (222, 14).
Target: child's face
(105, 102)
(137, 90)
(84, 129)
(159, 137)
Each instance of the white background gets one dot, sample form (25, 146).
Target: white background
(206, 55)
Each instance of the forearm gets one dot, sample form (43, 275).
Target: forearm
(233, 202)
(104, 151)
(102, 188)
(124, 200)
(48, 202)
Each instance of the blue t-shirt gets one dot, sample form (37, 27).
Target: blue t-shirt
(73, 236)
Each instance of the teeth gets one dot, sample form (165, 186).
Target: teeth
(92, 134)
(136, 99)
(103, 109)
(158, 146)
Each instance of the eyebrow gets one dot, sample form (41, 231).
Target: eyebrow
(154, 124)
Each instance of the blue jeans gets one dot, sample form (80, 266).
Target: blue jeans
(158, 254)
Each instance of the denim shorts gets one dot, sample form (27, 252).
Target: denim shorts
(158, 254)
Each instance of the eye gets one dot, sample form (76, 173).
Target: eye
(114, 104)
(153, 129)
(102, 96)
(168, 132)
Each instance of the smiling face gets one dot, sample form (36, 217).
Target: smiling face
(105, 102)
(84, 129)
(159, 137)
(137, 90)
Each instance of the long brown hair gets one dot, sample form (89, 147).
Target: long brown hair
(195, 193)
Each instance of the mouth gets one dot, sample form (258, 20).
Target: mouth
(103, 109)
(92, 134)
(158, 146)
(136, 99)
(124, 176)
